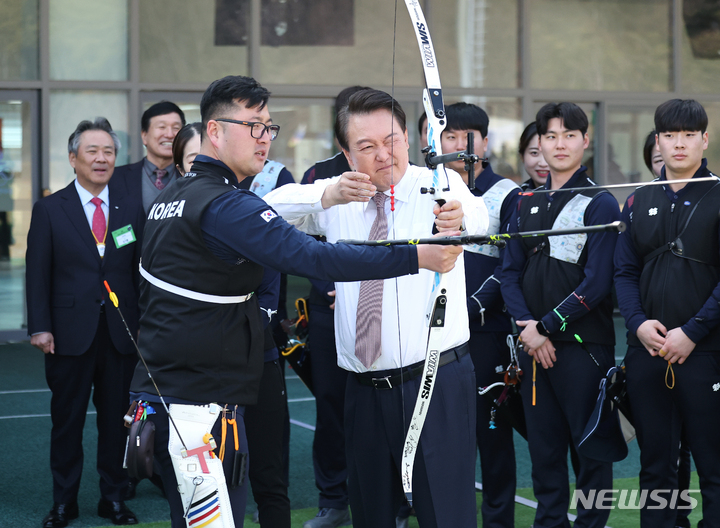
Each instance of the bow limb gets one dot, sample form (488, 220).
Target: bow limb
(435, 317)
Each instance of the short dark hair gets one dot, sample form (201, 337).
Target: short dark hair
(185, 134)
(159, 109)
(572, 116)
(648, 150)
(421, 122)
(677, 115)
(366, 102)
(223, 95)
(344, 96)
(100, 123)
(526, 137)
(465, 116)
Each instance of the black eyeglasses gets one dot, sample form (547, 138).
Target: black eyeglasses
(257, 129)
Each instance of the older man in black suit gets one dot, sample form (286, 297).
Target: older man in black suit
(145, 179)
(79, 237)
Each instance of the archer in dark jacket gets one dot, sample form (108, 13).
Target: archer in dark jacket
(667, 280)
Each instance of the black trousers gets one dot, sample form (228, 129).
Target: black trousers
(444, 473)
(238, 496)
(265, 427)
(71, 380)
(497, 450)
(329, 382)
(661, 414)
(566, 396)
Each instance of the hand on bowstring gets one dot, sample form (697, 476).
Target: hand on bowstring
(351, 187)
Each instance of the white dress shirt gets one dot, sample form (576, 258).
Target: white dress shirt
(404, 327)
(89, 208)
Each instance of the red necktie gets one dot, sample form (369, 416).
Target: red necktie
(159, 175)
(98, 221)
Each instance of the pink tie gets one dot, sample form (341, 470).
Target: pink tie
(159, 175)
(368, 325)
(99, 226)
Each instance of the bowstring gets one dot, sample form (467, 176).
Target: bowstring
(392, 205)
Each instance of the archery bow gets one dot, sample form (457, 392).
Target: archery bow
(435, 110)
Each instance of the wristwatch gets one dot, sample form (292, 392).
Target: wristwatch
(540, 327)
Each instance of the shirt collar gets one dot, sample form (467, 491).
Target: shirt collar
(699, 174)
(86, 196)
(207, 159)
(578, 176)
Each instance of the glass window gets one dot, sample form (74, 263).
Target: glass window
(476, 42)
(700, 46)
(15, 206)
(19, 43)
(89, 40)
(67, 109)
(363, 55)
(180, 41)
(600, 45)
(306, 134)
(713, 151)
(627, 129)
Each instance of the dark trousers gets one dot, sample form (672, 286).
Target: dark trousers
(661, 414)
(684, 471)
(238, 496)
(329, 382)
(566, 396)
(265, 427)
(71, 379)
(497, 451)
(376, 422)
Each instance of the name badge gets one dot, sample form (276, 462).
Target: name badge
(101, 250)
(123, 236)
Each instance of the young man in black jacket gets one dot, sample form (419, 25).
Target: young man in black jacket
(556, 289)
(667, 270)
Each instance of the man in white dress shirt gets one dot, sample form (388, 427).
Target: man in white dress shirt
(388, 356)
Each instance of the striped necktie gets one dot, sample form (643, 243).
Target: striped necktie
(368, 326)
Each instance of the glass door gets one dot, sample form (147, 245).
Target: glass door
(19, 187)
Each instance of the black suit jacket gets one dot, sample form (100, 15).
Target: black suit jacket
(65, 274)
(131, 177)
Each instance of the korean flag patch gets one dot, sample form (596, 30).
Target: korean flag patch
(268, 215)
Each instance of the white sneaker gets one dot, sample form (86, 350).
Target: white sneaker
(329, 518)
